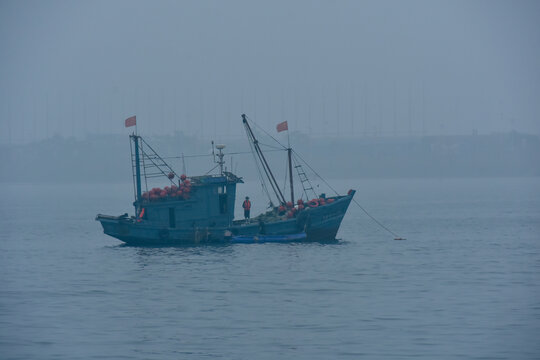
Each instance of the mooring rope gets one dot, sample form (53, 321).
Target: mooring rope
(397, 237)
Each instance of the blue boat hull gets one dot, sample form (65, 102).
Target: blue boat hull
(319, 224)
(257, 239)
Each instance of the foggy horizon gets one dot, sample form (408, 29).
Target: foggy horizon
(344, 69)
(400, 218)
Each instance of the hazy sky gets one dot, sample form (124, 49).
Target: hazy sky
(347, 68)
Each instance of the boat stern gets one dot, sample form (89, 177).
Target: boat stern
(115, 226)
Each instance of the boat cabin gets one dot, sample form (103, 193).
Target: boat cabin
(210, 203)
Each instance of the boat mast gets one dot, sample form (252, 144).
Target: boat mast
(135, 139)
(289, 150)
(220, 162)
(266, 167)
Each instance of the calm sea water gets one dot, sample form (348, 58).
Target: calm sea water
(465, 283)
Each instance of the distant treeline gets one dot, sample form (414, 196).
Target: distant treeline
(106, 158)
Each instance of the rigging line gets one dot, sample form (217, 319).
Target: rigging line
(273, 184)
(285, 179)
(272, 147)
(212, 169)
(158, 158)
(263, 185)
(155, 176)
(271, 178)
(303, 189)
(264, 163)
(186, 156)
(376, 221)
(257, 125)
(132, 168)
(354, 200)
(261, 177)
(319, 176)
(144, 169)
(327, 184)
(266, 167)
(296, 162)
(206, 155)
(158, 166)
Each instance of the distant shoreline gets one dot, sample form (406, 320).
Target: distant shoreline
(105, 159)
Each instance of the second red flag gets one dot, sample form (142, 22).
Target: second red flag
(282, 126)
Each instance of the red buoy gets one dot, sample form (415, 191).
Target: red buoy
(171, 175)
(183, 177)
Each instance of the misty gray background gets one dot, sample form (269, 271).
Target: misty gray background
(373, 92)
(408, 85)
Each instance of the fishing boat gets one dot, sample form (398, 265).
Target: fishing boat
(200, 209)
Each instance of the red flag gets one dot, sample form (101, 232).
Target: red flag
(131, 121)
(282, 126)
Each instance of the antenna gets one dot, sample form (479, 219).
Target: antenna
(183, 164)
(221, 162)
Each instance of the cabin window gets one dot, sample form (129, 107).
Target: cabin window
(222, 189)
(172, 218)
(222, 203)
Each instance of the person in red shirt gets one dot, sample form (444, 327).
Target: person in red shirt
(247, 207)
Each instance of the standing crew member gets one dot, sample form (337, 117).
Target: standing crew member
(247, 206)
